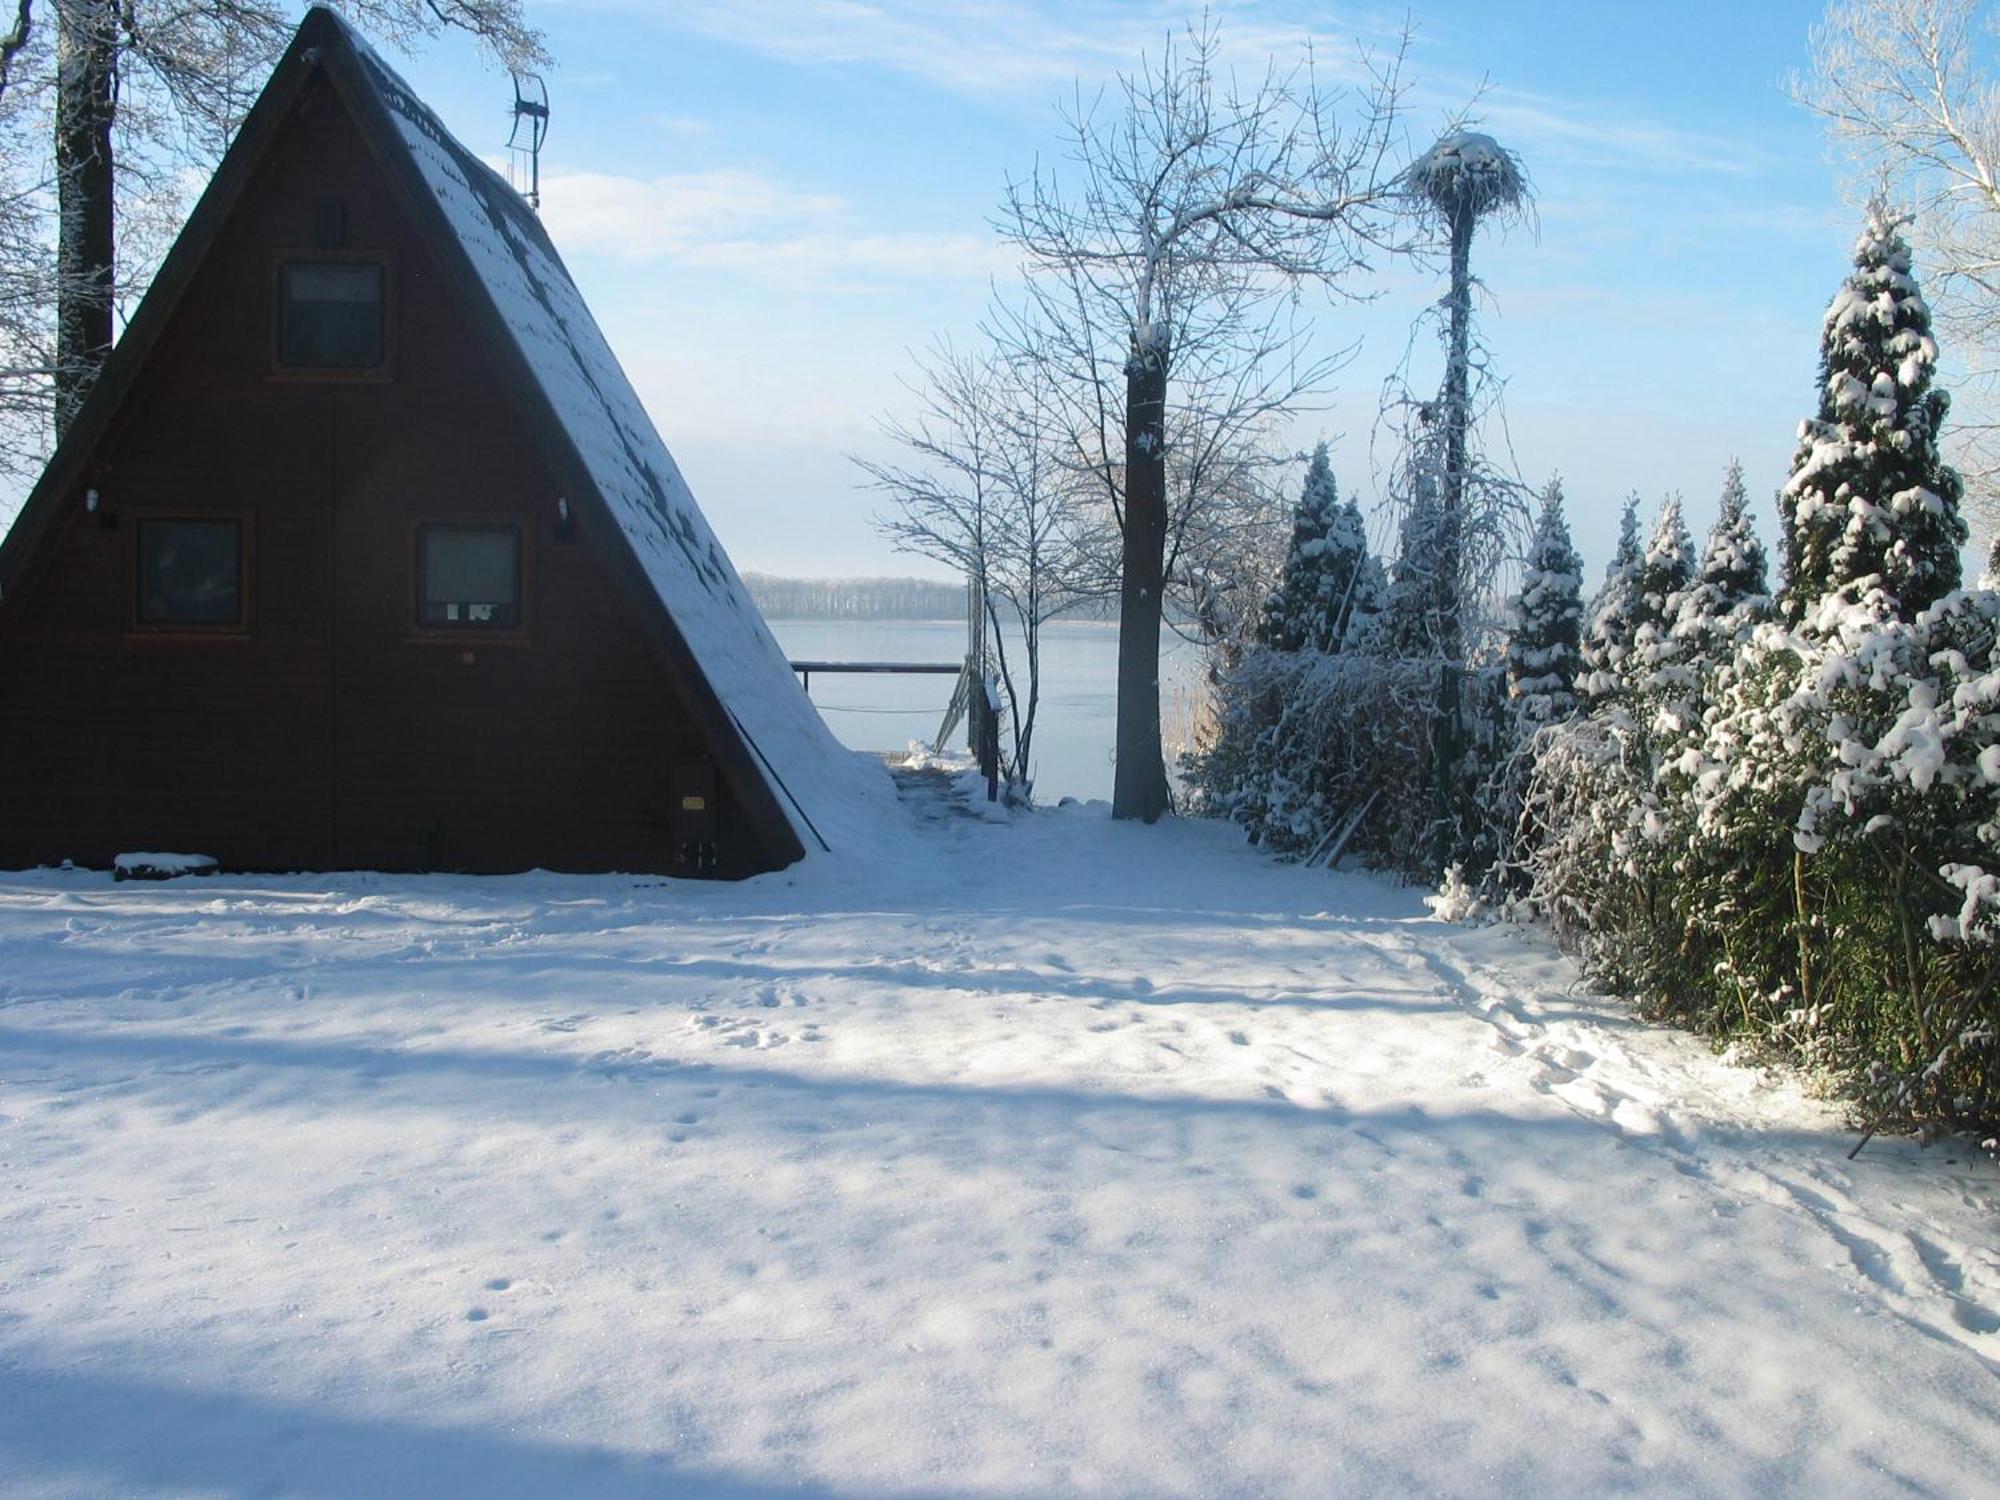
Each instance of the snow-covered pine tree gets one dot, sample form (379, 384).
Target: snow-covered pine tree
(1410, 627)
(1666, 572)
(1371, 592)
(1869, 495)
(1329, 580)
(1730, 594)
(1607, 638)
(1666, 568)
(1545, 621)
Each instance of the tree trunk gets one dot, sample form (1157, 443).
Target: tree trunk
(86, 103)
(1448, 607)
(1457, 422)
(1139, 786)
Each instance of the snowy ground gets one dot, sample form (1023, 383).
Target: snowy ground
(1047, 1158)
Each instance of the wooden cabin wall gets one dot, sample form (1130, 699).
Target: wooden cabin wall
(331, 733)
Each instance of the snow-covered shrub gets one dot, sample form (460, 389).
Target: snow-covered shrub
(1789, 829)
(1849, 797)
(1311, 741)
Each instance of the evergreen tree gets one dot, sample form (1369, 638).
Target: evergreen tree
(1412, 627)
(1666, 572)
(1545, 621)
(1869, 495)
(1607, 639)
(1330, 583)
(1730, 593)
(1667, 566)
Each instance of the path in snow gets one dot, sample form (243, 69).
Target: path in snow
(1053, 1157)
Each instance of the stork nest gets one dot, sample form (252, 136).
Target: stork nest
(1468, 171)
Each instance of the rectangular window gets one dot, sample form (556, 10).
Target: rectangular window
(469, 577)
(331, 315)
(191, 573)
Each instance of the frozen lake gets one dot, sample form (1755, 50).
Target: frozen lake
(1074, 725)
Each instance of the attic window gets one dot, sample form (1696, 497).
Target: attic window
(330, 315)
(469, 577)
(191, 574)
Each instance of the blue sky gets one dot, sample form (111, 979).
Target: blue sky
(771, 203)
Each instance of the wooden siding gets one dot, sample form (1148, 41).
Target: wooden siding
(332, 732)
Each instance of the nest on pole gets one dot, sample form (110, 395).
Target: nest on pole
(1468, 173)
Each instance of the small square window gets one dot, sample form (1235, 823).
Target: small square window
(191, 573)
(470, 577)
(330, 315)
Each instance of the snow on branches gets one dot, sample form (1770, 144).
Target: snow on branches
(1607, 639)
(1730, 594)
(1331, 586)
(1545, 621)
(1870, 502)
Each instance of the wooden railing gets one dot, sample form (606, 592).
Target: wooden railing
(805, 669)
(984, 724)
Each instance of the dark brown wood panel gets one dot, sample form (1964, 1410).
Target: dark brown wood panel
(333, 731)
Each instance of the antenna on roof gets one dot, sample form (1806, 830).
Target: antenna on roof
(524, 142)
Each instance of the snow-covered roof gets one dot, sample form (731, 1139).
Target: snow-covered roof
(825, 788)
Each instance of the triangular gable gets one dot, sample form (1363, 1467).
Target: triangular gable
(776, 751)
(571, 367)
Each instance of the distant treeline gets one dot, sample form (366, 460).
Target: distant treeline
(885, 599)
(856, 598)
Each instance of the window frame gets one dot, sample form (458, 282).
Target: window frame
(354, 374)
(198, 630)
(460, 632)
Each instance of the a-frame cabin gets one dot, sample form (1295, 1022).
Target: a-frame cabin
(363, 553)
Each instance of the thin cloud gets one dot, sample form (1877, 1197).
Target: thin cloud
(991, 48)
(686, 125)
(747, 223)
(1582, 135)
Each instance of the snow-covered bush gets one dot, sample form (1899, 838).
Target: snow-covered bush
(1848, 796)
(1788, 830)
(1311, 741)
(1325, 728)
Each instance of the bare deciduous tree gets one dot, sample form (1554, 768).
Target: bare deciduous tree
(1905, 96)
(1164, 258)
(986, 495)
